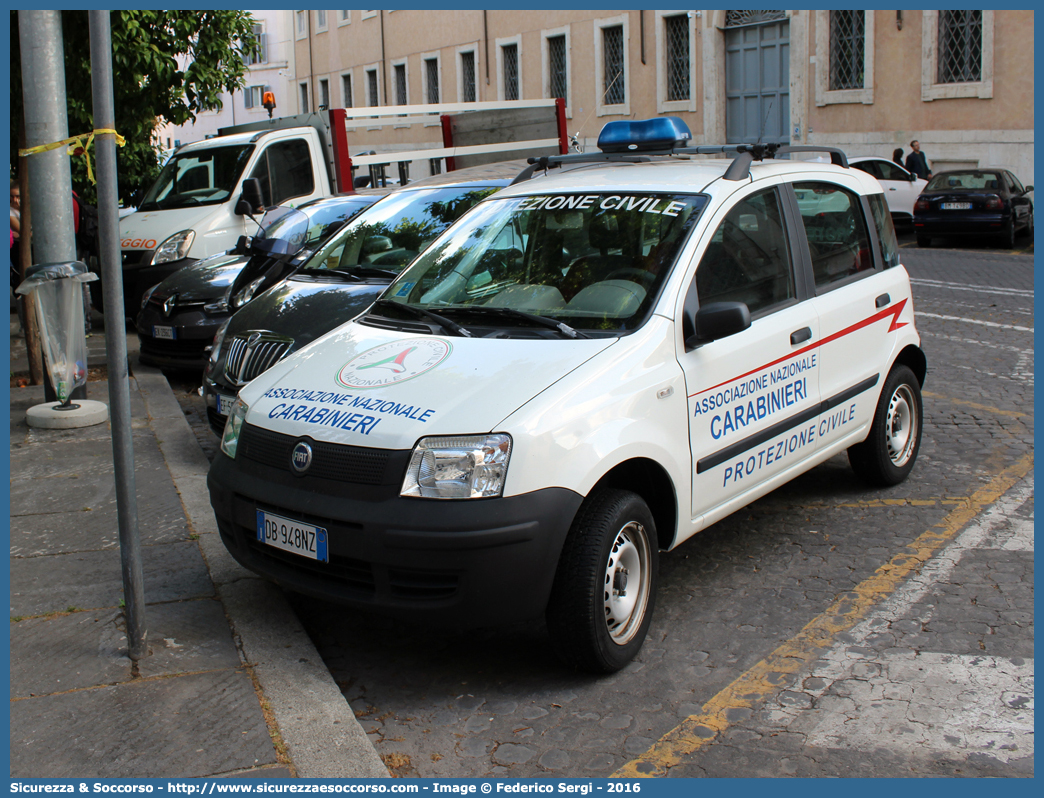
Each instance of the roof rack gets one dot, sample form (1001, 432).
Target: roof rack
(637, 141)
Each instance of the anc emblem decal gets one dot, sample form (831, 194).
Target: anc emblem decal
(393, 362)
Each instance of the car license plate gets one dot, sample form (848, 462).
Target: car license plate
(224, 404)
(298, 537)
(166, 333)
(956, 206)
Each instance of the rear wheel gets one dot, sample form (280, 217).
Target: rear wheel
(1007, 238)
(888, 454)
(924, 241)
(605, 586)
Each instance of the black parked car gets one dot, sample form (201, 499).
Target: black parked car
(180, 315)
(973, 202)
(342, 279)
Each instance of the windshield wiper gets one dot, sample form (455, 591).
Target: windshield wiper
(447, 324)
(338, 272)
(543, 321)
(367, 271)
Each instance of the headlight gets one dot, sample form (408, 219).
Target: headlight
(174, 248)
(465, 467)
(148, 295)
(219, 338)
(246, 293)
(233, 426)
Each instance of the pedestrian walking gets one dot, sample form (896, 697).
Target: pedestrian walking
(916, 162)
(897, 155)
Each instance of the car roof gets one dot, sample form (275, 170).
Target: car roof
(500, 173)
(234, 140)
(679, 175)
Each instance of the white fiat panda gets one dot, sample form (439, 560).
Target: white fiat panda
(582, 372)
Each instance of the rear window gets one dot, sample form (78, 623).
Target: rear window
(973, 180)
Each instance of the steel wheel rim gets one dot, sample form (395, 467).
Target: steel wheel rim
(901, 426)
(626, 585)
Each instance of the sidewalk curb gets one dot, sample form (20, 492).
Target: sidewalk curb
(323, 737)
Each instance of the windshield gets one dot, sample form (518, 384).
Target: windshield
(979, 180)
(200, 177)
(593, 262)
(390, 233)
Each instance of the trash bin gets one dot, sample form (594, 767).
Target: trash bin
(58, 292)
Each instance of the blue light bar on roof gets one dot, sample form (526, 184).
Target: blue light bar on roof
(644, 135)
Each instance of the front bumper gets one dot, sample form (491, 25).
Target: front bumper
(463, 563)
(193, 331)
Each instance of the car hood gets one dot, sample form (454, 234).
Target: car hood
(149, 229)
(203, 281)
(386, 389)
(304, 310)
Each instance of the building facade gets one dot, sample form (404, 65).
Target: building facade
(961, 82)
(271, 70)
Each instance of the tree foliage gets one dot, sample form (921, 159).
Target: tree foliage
(150, 83)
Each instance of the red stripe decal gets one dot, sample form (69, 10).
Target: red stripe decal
(893, 311)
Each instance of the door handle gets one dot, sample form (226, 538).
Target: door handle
(882, 300)
(800, 336)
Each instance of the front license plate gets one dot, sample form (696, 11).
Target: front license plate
(166, 333)
(307, 540)
(224, 404)
(956, 206)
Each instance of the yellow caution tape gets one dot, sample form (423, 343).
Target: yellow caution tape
(77, 146)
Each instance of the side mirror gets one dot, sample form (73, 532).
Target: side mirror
(1029, 189)
(911, 177)
(718, 320)
(251, 201)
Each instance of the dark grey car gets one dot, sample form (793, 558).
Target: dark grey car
(342, 279)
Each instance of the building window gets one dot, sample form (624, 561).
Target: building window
(960, 47)
(260, 56)
(346, 91)
(344, 18)
(401, 93)
(431, 77)
(467, 77)
(509, 76)
(676, 36)
(301, 28)
(320, 20)
(372, 94)
(956, 54)
(305, 107)
(557, 84)
(844, 57)
(369, 14)
(613, 65)
(847, 43)
(253, 96)
(324, 94)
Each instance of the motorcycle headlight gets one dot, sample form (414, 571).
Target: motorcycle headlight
(246, 293)
(233, 426)
(148, 295)
(174, 248)
(463, 467)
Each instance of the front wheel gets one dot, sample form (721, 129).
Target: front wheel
(605, 587)
(888, 454)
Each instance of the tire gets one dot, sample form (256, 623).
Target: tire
(604, 591)
(924, 241)
(889, 452)
(1028, 229)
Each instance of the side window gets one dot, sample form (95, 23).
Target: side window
(290, 169)
(872, 168)
(1016, 186)
(889, 171)
(885, 230)
(748, 259)
(261, 173)
(836, 231)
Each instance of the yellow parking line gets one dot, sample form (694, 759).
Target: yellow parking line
(766, 677)
(974, 405)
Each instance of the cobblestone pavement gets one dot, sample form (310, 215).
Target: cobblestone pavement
(825, 630)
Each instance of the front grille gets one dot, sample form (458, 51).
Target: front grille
(252, 354)
(338, 462)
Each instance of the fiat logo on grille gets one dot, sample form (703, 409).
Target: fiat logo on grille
(301, 457)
